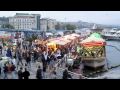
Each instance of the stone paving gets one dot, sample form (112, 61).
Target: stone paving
(32, 71)
(47, 74)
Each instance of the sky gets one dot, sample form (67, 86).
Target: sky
(100, 17)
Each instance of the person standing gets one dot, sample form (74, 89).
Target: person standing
(0, 50)
(39, 73)
(13, 67)
(19, 56)
(0, 71)
(9, 53)
(26, 74)
(28, 59)
(5, 70)
(66, 75)
(20, 73)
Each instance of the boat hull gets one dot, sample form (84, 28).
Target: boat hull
(95, 62)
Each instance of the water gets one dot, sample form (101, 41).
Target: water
(112, 54)
(113, 59)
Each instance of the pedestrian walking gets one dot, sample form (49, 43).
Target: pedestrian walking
(5, 70)
(39, 73)
(19, 57)
(13, 67)
(28, 60)
(20, 73)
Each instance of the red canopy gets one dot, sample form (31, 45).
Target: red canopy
(94, 44)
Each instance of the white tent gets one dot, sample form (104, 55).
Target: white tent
(90, 39)
(49, 34)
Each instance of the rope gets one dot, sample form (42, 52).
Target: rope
(114, 47)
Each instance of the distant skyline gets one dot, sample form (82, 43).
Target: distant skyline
(100, 17)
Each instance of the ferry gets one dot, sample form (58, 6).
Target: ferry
(111, 35)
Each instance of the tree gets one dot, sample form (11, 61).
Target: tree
(70, 27)
(8, 26)
(48, 28)
(58, 26)
(32, 38)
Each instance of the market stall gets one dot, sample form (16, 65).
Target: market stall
(93, 50)
(93, 46)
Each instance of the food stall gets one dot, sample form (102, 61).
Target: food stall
(93, 50)
(51, 45)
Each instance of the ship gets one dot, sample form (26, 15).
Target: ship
(112, 34)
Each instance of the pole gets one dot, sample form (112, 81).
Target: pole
(47, 49)
(65, 24)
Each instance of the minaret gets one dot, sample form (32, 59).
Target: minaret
(94, 26)
(96, 29)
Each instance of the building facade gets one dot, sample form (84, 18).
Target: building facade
(3, 20)
(47, 24)
(25, 21)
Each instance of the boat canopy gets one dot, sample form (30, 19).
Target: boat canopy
(95, 39)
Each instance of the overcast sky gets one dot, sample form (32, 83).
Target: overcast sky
(101, 17)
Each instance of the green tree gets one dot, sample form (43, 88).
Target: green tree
(58, 26)
(7, 26)
(32, 38)
(70, 27)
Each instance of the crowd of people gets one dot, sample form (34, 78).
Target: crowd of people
(29, 52)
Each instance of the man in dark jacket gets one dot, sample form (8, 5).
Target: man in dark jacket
(5, 71)
(20, 74)
(66, 75)
(28, 60)
(39, 73)
(26, 74)
(0, 71)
